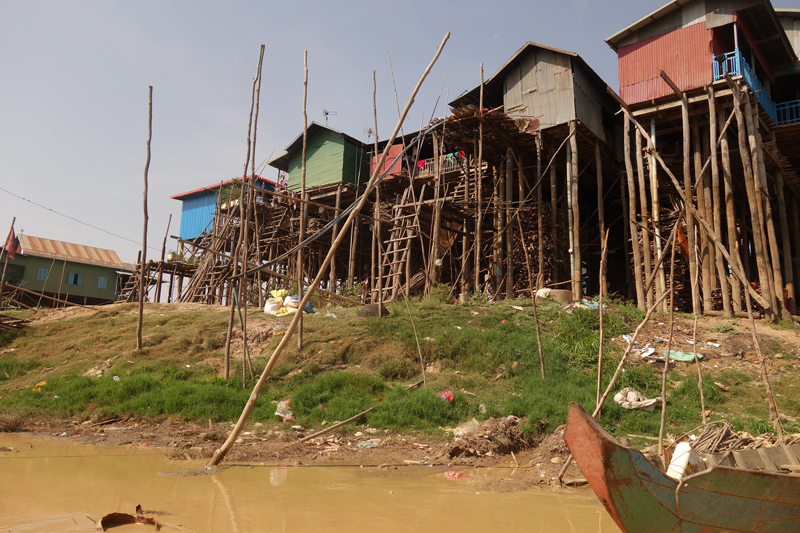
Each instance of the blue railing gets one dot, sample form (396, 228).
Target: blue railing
(735, 64)
(788, 112)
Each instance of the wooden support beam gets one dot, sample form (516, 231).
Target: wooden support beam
(687, 185)
(645, 229)
(634, 234)
(703, 253)
(577, 273)
(717, 200)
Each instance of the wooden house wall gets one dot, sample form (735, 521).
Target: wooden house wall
(684, 54)
(356, 165)
(791, 25)
(57, 278)
(588, 104)
(541, 86)
(324, 161)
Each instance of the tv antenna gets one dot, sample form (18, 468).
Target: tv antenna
(326, 114)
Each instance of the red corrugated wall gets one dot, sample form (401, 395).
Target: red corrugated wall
(684, 54)
(394, 151)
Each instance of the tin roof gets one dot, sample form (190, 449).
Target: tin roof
(667, 8)
(217, 186)
(36, 246)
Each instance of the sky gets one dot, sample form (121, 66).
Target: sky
(74, 80)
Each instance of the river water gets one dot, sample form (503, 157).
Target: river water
(59, 486)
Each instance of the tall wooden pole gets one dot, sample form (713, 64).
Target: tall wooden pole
(5, 263)
(637, 261)
(302, 236)
(661, 280)
(703, 260)
(717, 201)
(787, 247)
(146, 217)
(650, 294)
(556, 274)
(220, 453)
(507, 209)
(379, 265)
(539, 215)
(577, 273)
(479, 192)
(730, 215)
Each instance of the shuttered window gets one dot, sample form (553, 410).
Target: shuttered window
(75, 279)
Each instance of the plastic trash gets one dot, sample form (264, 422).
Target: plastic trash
(272, 306)
(632, 399)
(284, 411)
(291, 301)
(685, 462)
(686, 357)
(446, 396)
(279, 294)
(308, 309)
(116, 378)
(330, 315)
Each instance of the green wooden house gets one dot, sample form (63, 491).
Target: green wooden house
(332, 157)
(66, 271)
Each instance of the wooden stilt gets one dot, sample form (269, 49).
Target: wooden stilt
(626, 230)
(759, 243)
(655, 212)
(631, 210)
(479, 192)
(334, 234)
(646, 253)
(717, 202)
(555, 275)
(730, 215)
(509, 240)
(703, 259)
(796, 234)
(577, 273)
(761, 184)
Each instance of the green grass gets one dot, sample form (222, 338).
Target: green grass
(487, 353)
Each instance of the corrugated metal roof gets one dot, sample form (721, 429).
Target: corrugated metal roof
(217, 186)
(37, 246)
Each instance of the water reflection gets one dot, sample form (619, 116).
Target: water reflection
(56, 485)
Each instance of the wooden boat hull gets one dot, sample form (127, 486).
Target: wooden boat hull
(642, 499)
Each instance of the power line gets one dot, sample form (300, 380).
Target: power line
(74, 219)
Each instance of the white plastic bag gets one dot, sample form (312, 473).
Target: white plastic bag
(272, 306)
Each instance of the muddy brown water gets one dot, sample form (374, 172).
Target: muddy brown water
(60, 486)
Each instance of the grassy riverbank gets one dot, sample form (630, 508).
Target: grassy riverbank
(485, 353)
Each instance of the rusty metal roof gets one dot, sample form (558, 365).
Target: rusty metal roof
(37, 246)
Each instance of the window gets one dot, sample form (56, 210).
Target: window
(41, 275)
(102, 282)
(75, 279)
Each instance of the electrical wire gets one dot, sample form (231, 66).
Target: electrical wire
(74, 219)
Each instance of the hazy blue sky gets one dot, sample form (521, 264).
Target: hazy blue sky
(74, 77)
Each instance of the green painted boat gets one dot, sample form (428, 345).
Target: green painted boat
(642, 499)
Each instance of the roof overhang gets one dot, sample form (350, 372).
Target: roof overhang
(662, 11)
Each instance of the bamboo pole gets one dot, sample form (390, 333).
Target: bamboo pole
(301, 238)
(645, 226)
(796, 234)
(144, 231)
(716, 200)
(479, 191)
(379, 254)
(163, 252)
(634, 239)
(730, 217)
(220, 453)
